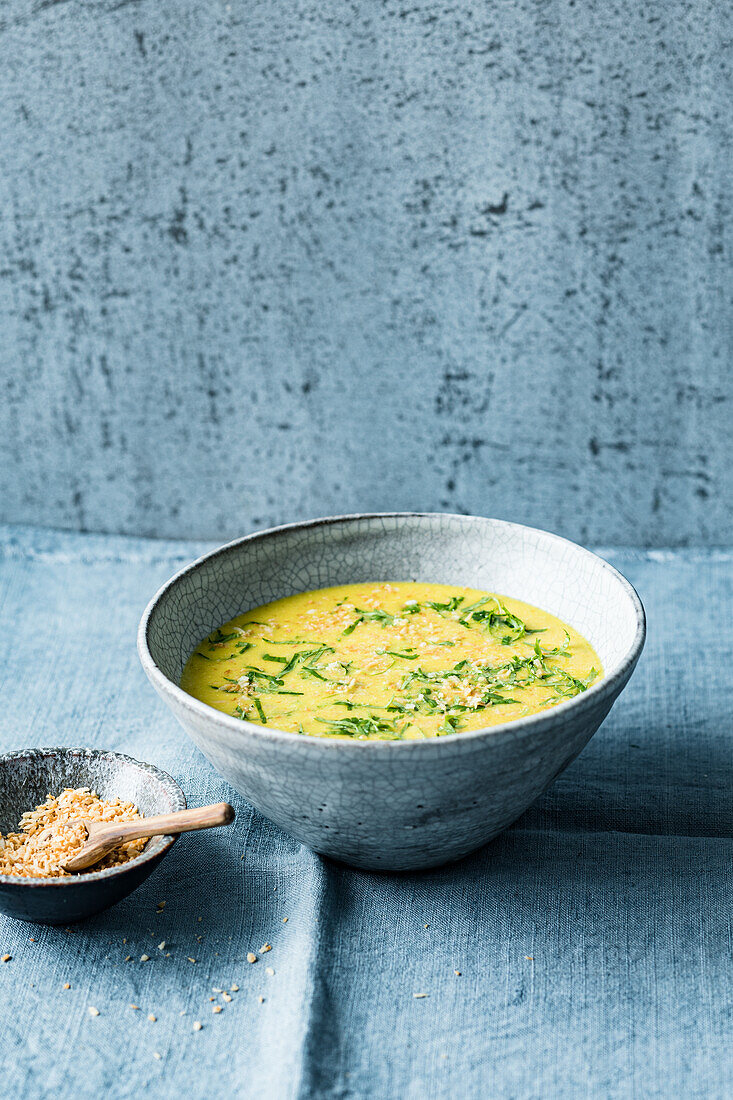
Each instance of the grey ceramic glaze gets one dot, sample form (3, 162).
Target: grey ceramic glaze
(28, 776)
(404, 804)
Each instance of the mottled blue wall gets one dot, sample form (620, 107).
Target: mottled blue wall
(262, 261)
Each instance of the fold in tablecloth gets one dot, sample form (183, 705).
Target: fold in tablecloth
(593, 938)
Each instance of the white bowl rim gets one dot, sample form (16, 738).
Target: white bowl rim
(517, 726)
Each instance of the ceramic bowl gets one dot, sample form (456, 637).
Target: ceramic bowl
(28, 776)
(395, 804)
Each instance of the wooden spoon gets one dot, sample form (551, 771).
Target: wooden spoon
(103, 837)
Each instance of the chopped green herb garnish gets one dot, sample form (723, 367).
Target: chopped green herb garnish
(217, 638)
(368, 726)
(378, 615)
(566, 686)
(264, 675)
(444, 608)
(315, 654)
(308, 670)
(501, 623)
(290, 665)
(476, 606)
(450, 725)
(556, 651)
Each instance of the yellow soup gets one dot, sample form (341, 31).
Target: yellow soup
(390, 661)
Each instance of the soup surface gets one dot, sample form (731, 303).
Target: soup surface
(390, 661)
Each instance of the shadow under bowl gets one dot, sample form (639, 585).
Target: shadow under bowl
(27, 777)
(394, 805)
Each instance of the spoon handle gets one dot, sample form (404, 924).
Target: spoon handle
(183, 821)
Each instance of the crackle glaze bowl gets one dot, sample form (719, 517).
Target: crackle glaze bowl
(395, 805)
(29, 775)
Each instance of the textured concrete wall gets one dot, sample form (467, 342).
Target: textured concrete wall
(262, 261)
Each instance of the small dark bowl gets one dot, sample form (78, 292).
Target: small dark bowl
(28, 776)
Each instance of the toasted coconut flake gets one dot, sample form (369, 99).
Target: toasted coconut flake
(54, 832)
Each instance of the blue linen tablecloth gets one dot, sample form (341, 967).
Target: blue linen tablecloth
(593, 938)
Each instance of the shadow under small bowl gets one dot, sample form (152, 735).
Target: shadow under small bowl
(395, 805)
(27, 777)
